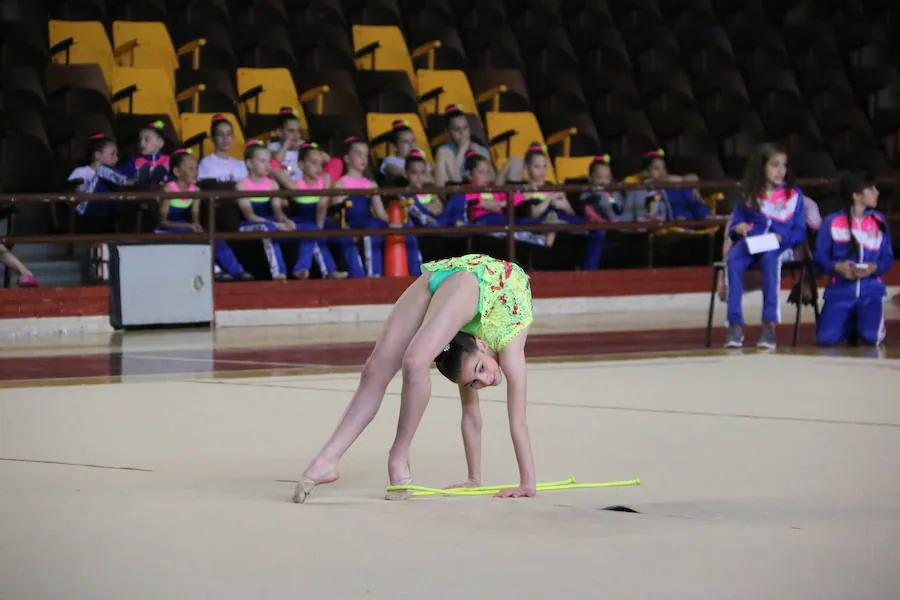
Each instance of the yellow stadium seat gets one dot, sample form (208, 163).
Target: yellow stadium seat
(572, 167)
(153, 93)
(80, 42)
(193, 124)
(149, 45)
(276, 90)
(379, 123)
(454, 87)
(386, 50)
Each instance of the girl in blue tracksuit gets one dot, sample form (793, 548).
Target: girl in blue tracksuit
(182, 215)
(150, 166)
(263, 213)
(365, 212)
(854, 250)
(311, 213)
(770, 206)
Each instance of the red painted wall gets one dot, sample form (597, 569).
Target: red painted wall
(91, 301)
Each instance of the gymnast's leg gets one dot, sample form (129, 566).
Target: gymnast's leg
(381, 366)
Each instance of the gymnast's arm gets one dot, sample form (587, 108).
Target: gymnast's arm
(470, 426)
(512, 361)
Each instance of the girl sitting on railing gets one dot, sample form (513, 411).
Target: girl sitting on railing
(364, 212)
(264, 213)
(182, 215)
(150, 166)
(221, 166)
(554, 207)
(311, 213)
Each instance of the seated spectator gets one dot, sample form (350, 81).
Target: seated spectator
(772, 208)
(311, 213)
(26, 278)
(854, 250)
(221, 166)
(661, 204)
(393, 166)
(423, 209)
(753, 278)
(286, 151)
(601, 205)
(368, 212)
(554, 207)
(264, 213)
(489, 208)
(98, 176)
(150, 167)
(450, 158)
(182, 215)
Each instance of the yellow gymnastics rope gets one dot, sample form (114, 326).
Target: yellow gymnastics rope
(568, 484)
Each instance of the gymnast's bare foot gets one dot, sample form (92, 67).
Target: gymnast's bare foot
(400, 474)
(315, 475)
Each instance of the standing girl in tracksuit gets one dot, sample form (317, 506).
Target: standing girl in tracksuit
(264, 213)
(854, 250)
(769, 206)
(182, 215)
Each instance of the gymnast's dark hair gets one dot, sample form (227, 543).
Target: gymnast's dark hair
(97, 143)
(178, 157)
(413, 158)
(473, 159)
(855, 183)
(285, 115)
(449, 361)
(216, 122)
(754, 182)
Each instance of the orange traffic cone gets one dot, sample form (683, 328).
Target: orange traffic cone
(395, 264)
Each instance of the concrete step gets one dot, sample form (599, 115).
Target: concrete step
(55, 273)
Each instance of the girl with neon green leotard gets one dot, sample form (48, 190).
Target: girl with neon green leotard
(470, 316)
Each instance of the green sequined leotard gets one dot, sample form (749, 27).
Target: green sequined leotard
(504, 301)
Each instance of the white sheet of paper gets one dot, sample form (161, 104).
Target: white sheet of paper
(762, 243)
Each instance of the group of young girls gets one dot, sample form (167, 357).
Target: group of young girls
(852, 248)
(769, 226)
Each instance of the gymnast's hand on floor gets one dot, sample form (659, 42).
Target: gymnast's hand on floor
(519, 492)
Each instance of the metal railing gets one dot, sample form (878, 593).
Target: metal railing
(214, 197)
